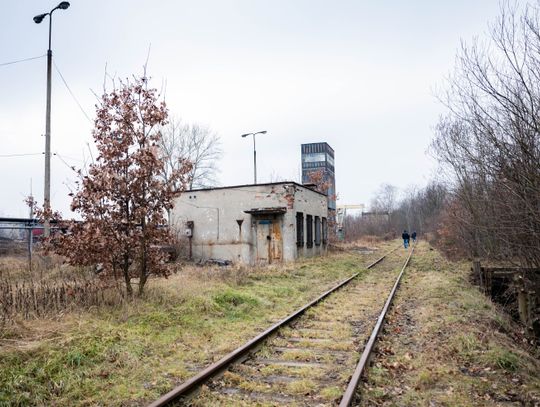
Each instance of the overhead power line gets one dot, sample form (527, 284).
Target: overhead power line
(67, 157)
(70, 92)
(19, 155)
(20, 60)
(71, 167)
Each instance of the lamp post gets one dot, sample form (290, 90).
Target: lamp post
(254, 153)
(47, 193)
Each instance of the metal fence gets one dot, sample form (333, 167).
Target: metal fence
(19, 236)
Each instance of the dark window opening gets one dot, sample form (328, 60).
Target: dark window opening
(309, 231)
(300, 229)
(324, 231)
(317, 231)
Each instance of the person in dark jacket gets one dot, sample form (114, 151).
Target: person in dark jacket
(405, 236)
(413, 236)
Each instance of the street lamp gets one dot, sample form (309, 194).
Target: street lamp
(47, 194)
(254, 152)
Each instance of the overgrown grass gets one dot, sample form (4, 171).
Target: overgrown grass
(314, 373)
(302, 387)
(137, 351)
(447, 344)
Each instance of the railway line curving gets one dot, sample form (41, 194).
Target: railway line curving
(309, 357)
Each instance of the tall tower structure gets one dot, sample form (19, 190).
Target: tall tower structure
(320, 157)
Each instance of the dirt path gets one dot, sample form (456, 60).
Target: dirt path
(447, 345)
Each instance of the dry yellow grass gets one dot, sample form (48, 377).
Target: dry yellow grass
(446, 344)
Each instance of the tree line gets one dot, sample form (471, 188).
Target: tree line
(489, 141)
(487, 203)
(419, 209)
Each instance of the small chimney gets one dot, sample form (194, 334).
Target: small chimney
(310, 186)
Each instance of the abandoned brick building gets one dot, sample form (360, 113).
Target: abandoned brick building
(253, 224)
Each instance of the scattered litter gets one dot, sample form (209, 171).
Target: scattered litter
(218, 262)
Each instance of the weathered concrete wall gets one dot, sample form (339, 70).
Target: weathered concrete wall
(217, 212)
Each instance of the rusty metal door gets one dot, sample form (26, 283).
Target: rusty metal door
(277, 241)
(264, 237)
(269, 241)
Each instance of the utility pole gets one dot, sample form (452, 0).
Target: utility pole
(47, 184)
(47, 191)
(254, 162)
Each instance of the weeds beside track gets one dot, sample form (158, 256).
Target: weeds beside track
(276, 373)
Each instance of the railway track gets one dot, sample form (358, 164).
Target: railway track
(307, 358)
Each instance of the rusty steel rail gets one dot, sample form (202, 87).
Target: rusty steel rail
(196, 381)
(349, 395)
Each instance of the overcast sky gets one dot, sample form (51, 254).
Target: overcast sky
(359, 75)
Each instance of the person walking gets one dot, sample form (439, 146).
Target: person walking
(405, 236)
(413, 236)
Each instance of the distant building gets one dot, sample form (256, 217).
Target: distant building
(320, 157)
(376, 216)
(253, 224)
(341, 214)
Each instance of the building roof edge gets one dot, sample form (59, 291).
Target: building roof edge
(254, 185)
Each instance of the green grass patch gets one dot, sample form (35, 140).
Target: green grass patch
(303, 387)
(332, 393)
(502, 358)
(236, 304)
(466, 345)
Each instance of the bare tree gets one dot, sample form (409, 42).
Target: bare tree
(385, 199)
(490, 139)
(195, 143)
(420, 210)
